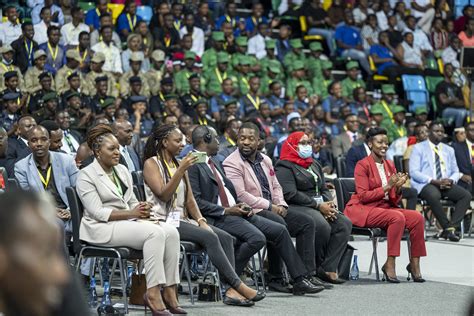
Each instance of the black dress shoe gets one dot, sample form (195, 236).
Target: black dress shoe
(260, 296)
(449, 234)
(304, 286)
(323, 276)
(237, 302)
(277, 285)
(317, 281)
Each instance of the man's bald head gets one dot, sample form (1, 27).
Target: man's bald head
(123, 130)
(38, 129)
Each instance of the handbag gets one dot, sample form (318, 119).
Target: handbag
(138, 288)
(344, 267)
(208, 291)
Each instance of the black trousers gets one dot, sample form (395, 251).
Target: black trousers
(411, 195)
(459, 196)
(331, 238)
(253, 232)
(219, 245)
(301, 226)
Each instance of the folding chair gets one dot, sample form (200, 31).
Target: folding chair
(341, 166)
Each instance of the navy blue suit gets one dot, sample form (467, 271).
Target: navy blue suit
(17, 150)
(354, 154)
(463, 158)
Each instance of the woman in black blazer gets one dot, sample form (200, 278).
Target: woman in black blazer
(303, 184)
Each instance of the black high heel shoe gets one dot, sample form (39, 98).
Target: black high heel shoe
(387, 278)
(417, 279)
(164, 312)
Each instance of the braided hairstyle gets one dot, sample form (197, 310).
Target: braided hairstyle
(96, 136)
(154, 147)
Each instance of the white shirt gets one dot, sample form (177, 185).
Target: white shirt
(124, 152)
(382, 20)
(230, 197)
(35, 13)
(359, 16)
(411, 55)
(383, 177)
(256, 46)
(367, 149)
(421, 3)
(34, 3)
(70, 33)
(421, 40)
(9, 32)
(41, 32)
(352, 136)
(74, 144)
(198, 39)
(113, 62)
(450, 56)
(95, 38)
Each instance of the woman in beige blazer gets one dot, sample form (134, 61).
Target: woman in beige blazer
(114, 217)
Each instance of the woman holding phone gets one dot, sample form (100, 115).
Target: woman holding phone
(302, 180)
(113, 217)
(376, 204)
(167, 187)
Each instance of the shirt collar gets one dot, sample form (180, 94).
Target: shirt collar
(258, 158)
(49, 163)
(469, 144)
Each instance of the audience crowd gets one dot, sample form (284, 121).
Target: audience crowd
(239, 117)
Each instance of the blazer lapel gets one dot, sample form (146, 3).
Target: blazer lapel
(308, 175)
(207, 170)
(375, 172)
(104, 178)
(253, 175)
(34, 174)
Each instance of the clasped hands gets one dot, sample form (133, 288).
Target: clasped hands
(397, 180)
(442, 183)
(142, 210)
(329, 211)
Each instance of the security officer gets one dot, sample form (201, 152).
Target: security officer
(9, 116)
(74, 85)
(244, 75)
(101, 84)
(6, 65)
(298, 77)
(272, 74)
(321, 84)
(295, 54)
(32, 83)
(214, 77)
(11, 80)
(387, 103)
(45, 80)
(136, 60)
(271, 57)
(209, 58)
(194, 94)
(48, 111)
(155, 74)
(241, 44)
(181, 77)
(396, 127)
(73, 60)
(97, 62)
(351, 81)
(313, 61)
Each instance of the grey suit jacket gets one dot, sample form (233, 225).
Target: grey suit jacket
(100, 197)
(64, 171)
(341, 144)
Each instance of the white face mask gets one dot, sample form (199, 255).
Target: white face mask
(305, 151)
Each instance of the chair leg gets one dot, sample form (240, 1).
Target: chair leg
(470, 227)
(112, 272)
(462, 229)
(185, 267)
(254, 272)
(409, 247)
(79, 260)
(375, 260)
(123, 284)
(262, 274)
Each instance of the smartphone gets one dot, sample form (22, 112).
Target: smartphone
(201, 157)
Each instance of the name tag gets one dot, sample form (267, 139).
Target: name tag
(173, 218)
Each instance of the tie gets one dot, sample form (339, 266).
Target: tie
(472, 154)
(128, 159)
(69, 142)
(354, 137)
(220, 185)
(438, 164)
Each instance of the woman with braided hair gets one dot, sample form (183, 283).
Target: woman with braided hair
(113, 217)
(167, 187)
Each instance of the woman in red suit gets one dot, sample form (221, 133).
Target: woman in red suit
(375, 204)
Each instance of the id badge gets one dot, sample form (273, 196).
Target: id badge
(319, 199)
(174, 218)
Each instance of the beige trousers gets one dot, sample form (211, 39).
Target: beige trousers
(160, 245)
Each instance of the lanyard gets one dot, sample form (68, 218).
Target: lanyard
(98, 12)
(202, 121)
(48, 177)
(389, 112)
(230, 141)
(117, 183)
(219, 76)
(401, 131)
(162, 97)
(171, 175)
(54, 54)
(177, 25)
(193, 97)
(69, 143)
(255, 21)
(315, 176)
(145, 41)
(255, 102)
(131, 23)
(230, 20)
(246, 82)
(167, 40)
(83, 57)
(7, 68)
(29, 50)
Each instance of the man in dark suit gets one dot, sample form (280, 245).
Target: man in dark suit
(123, 130)
(24, 47)
(18, 146)
(218, 203)
(465, 158)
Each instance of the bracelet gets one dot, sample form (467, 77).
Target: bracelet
(202, 219)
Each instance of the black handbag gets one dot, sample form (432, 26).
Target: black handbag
(208, 291)
(345, 264)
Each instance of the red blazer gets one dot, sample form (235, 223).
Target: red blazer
(369, 192)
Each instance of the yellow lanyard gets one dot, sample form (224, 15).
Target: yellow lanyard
(98, 12)
(177, 25)
(171, 175)
(255, 102)
(230, 20)
(48, 177)
(441, 160)
(255, 21)
(230, 141)
(219, 76)
(167, 40)
(83, 58)
(145, 41)
(193, 97)
(162, 97)
(54, 54)
(401, 131)
(7, 68)
(117, 183)
(168, 168)
(203, 121)
(389, 112)
(29, 50)
(131, 23)
(246, 82)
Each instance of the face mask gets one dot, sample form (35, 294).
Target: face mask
(305, 151)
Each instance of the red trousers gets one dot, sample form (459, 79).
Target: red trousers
(395, 220)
